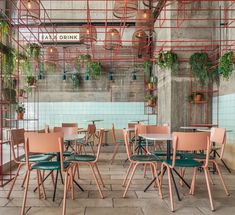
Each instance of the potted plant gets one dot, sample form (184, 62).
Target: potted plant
(21, 92)
(20, 110)
(147, 65)
(33, 50)
(226, 63)
(4, 26)
(76, 79)
(94, 68)
(30, 80)
(9, 95)
(151, 100)
(199, 66)
(196, 97)
(168, 60)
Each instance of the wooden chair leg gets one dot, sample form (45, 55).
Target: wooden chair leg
(192, 188)
(25, 176)
(25, 192)
(221, 179)
(127, 174)
(170, 189)
(157, 179)
(115, 152)
(96, 180)
(41, 182)
(53, 179)
(14, 180)
(100, 177)
(38, 182)
(77, 168)
(145, 170)
(65, 192)
(71, 183)
(209, 189)
(131, 176)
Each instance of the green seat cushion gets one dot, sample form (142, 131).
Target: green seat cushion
(38, 157)
(200, 156)
(49, 165)
(184, 163)
(141, 158)
(67, 153)
(82, 158)
(145, 144)
(120, 141)
(163, 153)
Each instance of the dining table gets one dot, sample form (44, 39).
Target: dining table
(93, 121)
(168, 138)
(138, 121)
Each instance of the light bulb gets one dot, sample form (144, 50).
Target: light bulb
(29, 6)
(51, 50)
(87, 31)
(145, 15)
(112, 34)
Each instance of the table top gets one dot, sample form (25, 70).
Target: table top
(156, 136)
(209, 130)
(95, 120)
(138, 121)
(74, 137)
(194, 127)
(130, 129)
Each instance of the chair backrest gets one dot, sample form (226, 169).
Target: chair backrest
(66, 130)
(191, 141)
(17, 138)
(69, 125)
(91, 129)
(127, 143)
(140, 129)
(100, 143)
(114, 134)
(159, 129)
(44, 143)
(131, 125)
(218, 136)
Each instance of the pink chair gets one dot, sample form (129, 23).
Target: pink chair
(117, 143)
(136, 160)
(188, 141)
(46, 143)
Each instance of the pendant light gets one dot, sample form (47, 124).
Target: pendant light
(51, 55)
(88, 34)
(29, 11)
(140, 42)
(112, 39)
(125, 8)
(144, 19)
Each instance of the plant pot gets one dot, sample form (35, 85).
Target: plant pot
(150, 86)
(21, 93)
(20, 116)
(151, 103)
(32, 82)
(197, 98)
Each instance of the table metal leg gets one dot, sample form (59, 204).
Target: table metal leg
(181, 178)
(176, 189)
(55, 187)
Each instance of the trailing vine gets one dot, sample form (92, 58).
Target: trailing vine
(199, 67)
(226, 65)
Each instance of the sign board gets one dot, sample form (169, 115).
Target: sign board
(59, 37)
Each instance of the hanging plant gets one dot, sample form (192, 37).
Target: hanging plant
(82, 60)
(33, 50)
(8, 63)
(4, 26)
(9, 95)
(199, 67)
(147, 65)
(94, 68)
(226, 64)
(168, 60)
(76, 79)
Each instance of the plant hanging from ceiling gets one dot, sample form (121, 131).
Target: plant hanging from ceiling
(33, 50)
(199, 67)
(168, 60)
(4, 26)
(147, 65)
(226, 63)
(94, 68)
(81, 61)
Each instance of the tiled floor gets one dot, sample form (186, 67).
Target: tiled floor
(137, 202)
